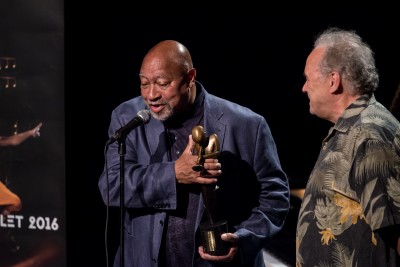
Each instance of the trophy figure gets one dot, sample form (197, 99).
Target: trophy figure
(207, 147)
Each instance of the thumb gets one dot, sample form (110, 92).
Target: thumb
(229, 237)
(190, 145)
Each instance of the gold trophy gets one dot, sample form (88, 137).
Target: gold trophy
(207, 148)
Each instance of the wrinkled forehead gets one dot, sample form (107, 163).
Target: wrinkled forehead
(314, 59)
(161, 65)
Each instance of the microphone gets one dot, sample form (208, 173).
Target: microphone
(142, 117)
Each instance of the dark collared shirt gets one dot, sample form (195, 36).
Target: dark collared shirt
(180, 239)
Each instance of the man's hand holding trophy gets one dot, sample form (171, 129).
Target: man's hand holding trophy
(207, 147)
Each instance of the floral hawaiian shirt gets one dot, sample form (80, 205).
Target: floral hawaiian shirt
(353, 190)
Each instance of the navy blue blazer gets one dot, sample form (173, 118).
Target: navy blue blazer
(254, 188)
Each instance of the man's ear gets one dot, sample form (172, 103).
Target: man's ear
(191, 76)
(334, 82)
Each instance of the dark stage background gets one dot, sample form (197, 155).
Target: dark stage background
(254, 60)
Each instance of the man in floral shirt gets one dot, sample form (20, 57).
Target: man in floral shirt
(351, 207)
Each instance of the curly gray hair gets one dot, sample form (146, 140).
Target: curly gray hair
(348, 54)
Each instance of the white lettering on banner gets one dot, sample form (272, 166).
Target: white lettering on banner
(10, 220)
(43, 223)
(36, 223)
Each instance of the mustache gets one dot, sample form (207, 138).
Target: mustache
(157, 103)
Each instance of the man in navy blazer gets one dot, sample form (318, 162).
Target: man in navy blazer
(162, 193)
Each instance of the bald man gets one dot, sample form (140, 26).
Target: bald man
(163, 201)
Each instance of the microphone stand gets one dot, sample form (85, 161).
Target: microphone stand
(142, 117)
(122, 152)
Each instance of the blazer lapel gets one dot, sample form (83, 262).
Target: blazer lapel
(155, 135)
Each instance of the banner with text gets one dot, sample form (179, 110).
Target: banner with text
(32, 133)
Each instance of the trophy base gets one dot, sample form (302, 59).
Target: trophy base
(211, 238)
